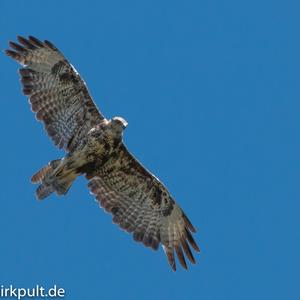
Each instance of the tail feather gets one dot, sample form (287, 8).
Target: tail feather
(62, 187)
(43, 191)
(52, 180)
(40, 175)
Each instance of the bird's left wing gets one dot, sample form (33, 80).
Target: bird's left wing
(56, 92)
(141, 204)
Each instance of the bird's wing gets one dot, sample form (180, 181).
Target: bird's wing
(57, 94)
(141, 204)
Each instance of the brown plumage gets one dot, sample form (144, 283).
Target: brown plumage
(137, 200)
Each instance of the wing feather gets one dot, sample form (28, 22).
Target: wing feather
(140, 204)
(56, 92)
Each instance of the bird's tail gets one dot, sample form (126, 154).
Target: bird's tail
(55, 177)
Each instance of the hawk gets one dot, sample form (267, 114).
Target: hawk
(138, 201)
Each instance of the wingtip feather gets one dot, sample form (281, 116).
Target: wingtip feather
(181, 256)
(170, 256)
(12, 54)
(33, 40)
(16, 47)
(26, 42)
(50, 45)
(188, 251)
(188, 223)
(192, 241)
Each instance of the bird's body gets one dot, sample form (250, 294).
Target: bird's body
(93, 153)
(138, 201)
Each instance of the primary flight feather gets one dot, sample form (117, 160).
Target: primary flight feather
(138, 201)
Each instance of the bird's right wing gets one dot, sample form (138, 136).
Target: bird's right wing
(57, 94)
(141, 204)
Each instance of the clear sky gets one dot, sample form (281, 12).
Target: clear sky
(211, 92)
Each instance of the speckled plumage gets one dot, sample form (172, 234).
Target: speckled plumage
(138, 201)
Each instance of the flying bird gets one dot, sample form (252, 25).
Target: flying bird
(138, 201)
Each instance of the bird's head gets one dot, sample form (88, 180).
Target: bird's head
(118, 125)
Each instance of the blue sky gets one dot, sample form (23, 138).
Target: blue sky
(211, 93)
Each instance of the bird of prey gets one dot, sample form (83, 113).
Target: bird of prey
(137, 200)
